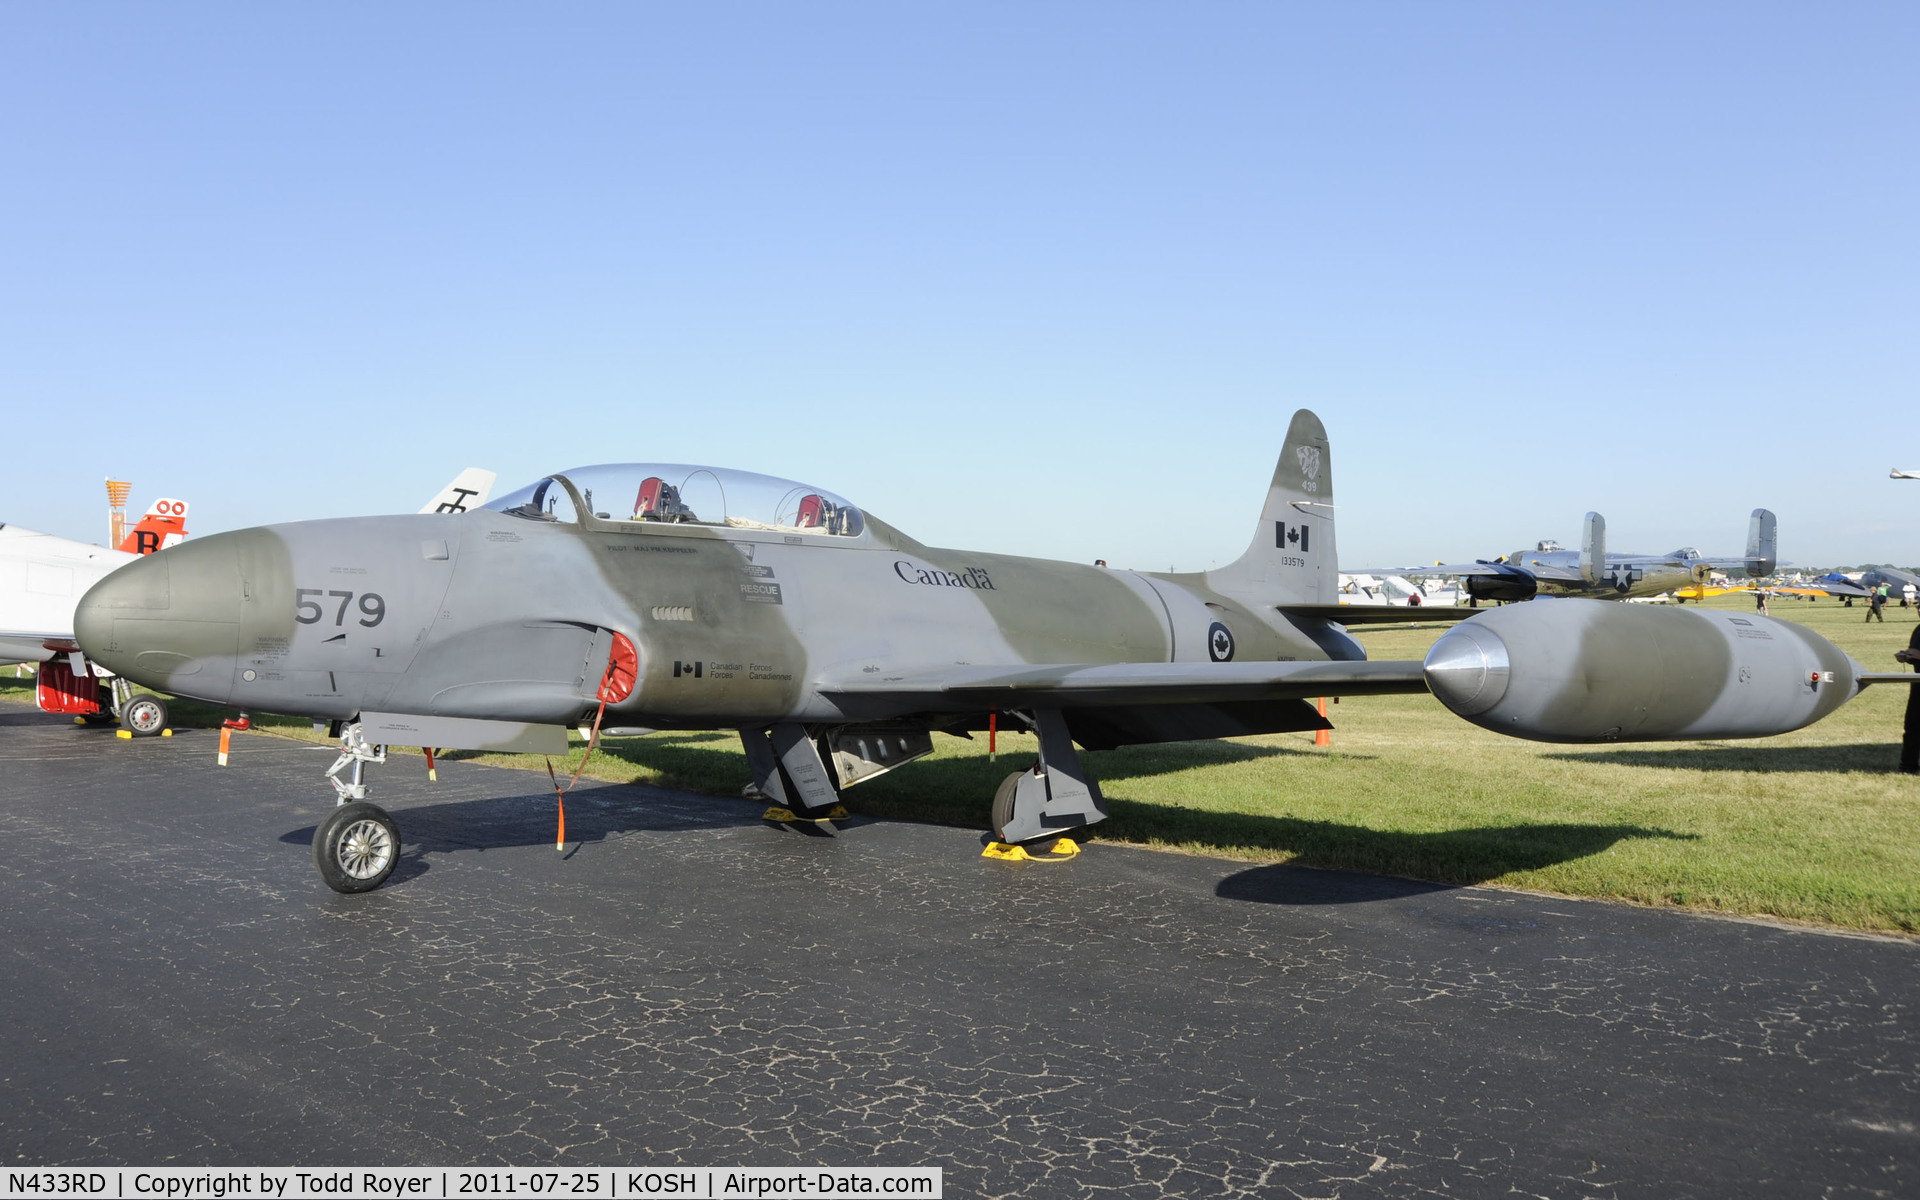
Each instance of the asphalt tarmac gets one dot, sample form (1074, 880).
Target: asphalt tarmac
(690, 985)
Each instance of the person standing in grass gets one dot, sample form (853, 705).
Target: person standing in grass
(1876, 602)
(1910, 735)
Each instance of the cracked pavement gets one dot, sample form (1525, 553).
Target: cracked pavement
(689, 985)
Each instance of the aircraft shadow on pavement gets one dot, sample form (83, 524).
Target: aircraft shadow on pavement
(593, 815)
(1444, 858)
(954, 790)
(1286, 883)
(1862, 756)
(30, 716)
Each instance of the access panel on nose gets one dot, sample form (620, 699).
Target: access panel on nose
(336, 609)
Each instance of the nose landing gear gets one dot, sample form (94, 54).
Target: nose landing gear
(357, 846)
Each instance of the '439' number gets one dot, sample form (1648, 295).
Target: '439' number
(373, 608)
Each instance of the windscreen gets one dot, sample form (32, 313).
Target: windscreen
(676, 493)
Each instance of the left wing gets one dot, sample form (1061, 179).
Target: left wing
(1093, 685)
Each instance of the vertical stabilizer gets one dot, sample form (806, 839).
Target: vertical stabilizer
(1292, 559)
(1593, 549)
(1762, 554)
(469, 490)
(164, 525)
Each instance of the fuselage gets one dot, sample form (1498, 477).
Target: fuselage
(1626, 576)
(512, 615)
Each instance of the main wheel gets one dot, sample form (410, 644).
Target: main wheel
(144, 715)
(356, 847)
(1003, 804)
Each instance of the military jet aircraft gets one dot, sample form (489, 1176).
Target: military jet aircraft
(1833, 583)
(678, 597)
(1591, 571)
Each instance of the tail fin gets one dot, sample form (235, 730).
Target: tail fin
(164, 525)
(469, 489)
(1762, 554)
(1292, 558)
(1593, 548)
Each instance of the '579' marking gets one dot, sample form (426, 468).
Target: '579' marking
(372, 607)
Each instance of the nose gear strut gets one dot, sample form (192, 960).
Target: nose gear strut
(356, 751)
(357, 845)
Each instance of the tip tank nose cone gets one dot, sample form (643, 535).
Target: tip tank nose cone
(1467, 669)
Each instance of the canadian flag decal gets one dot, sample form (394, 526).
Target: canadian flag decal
(1285, 535)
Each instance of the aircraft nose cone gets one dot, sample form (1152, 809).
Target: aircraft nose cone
(169, 621)
(1467, 669)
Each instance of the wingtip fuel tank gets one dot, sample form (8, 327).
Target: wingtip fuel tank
(1565, 670)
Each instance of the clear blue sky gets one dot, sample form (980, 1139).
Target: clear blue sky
(1043, 278)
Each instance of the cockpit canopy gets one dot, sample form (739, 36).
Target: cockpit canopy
(675, 493)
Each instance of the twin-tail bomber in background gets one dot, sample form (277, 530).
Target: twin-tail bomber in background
(1551, 570)
(698, 598)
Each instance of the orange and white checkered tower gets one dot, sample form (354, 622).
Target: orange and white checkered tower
(117, 491)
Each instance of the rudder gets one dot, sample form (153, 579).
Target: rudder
(1762, 552)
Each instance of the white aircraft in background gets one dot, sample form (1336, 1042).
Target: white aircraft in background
(1362, 589)
(42, 577)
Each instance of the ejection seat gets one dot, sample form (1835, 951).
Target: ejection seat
(659, 500)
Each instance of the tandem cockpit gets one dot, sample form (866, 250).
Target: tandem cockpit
(678, 494)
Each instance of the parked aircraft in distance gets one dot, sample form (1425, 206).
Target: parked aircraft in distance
(681, 597)
(1833, 583)
(1901, 585)
(1379, 590)
(1590, 571)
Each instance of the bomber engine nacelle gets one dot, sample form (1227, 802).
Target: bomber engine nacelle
(1563, 670)
(1507, 586)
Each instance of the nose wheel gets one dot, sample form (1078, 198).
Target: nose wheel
(356, 847)
(358, 844)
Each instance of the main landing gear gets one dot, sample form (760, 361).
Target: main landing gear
(1032, 808)
(357, 846)
(141, 714)
(790, 774)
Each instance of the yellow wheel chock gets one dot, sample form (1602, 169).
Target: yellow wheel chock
(1059, 850)
(837, 813)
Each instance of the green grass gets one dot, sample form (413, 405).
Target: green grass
(1812, 826)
